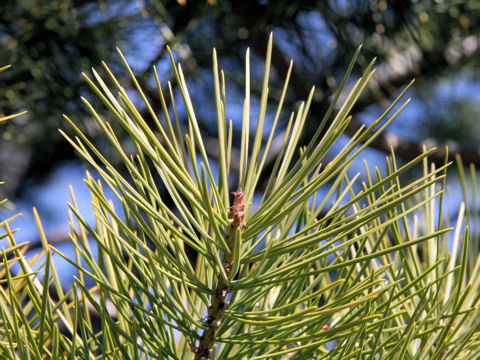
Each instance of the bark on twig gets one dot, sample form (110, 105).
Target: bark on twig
(219, 300)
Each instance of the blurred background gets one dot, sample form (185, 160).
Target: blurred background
(50, 43)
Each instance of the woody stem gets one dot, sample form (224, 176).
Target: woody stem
(218, 302)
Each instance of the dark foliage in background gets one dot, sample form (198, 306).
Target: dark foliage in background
(48, 44)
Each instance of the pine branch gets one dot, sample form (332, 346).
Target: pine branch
(219, 300)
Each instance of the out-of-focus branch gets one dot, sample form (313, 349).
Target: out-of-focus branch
(393, 75)
(409, 149)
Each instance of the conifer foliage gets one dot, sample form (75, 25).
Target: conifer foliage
(313, 265)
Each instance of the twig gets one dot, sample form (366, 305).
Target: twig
(219, 303)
